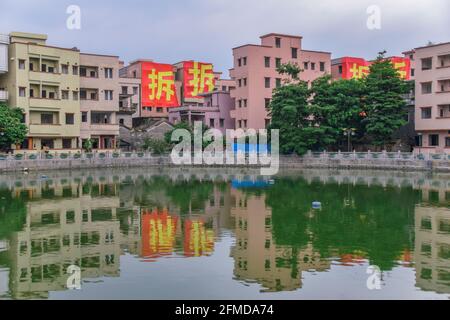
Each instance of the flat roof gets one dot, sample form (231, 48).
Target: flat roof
(37, 36)
(251, 45)
(99, 55)
(433, 45)
(281, 35)
(316, 51)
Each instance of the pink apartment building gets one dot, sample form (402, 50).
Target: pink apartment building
(256, 76)
(431, 70)
(99, 97)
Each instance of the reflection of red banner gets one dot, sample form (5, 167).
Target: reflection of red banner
(158, 85)
(198, 240)
(356, 68)
(198, 78)
(158, 233)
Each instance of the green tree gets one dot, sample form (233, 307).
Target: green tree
(290, 112)
(337, 105)
(188, 127)
(156, 146)
(12, 130)
(385, 102)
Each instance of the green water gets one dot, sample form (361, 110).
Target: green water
(224, 234)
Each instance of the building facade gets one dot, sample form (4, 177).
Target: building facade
(432, 98)
(44, 81)
(256, 76)
(4, 43)
(99, 100)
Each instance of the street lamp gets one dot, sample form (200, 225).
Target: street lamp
(349, 133)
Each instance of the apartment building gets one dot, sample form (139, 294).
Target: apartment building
(129, 99)
(432, 97)
(256, 76)
(44, 81)
(99, 99)
(4, 42)
(131, 77)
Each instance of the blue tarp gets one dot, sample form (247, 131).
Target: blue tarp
(247, 147)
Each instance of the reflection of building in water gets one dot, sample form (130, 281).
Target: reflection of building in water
(198, 238)
(158, 233)
(82, 231)
(432, 248)
(257, 257)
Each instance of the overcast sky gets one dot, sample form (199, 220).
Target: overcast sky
(174, 30)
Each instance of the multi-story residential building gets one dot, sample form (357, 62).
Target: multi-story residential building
(129, 98)
(44, 81)
(255, 74)
(99, 97)
(432, 98)
(134, 71)
(4, 42)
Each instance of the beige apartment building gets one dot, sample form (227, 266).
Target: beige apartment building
(431, 71)
(44, 81)
(99, 100)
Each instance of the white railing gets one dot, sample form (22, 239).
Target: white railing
(376, 155)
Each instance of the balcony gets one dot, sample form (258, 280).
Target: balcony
(444, 61)
(3, 95)
(45, 76)
(46, 129)
(45, 103)
(444, 111)
(443, 86)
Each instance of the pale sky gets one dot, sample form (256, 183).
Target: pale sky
(170, 31)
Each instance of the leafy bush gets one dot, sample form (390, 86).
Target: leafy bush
(63, 155)
(116, 155)
(32, 156)
(102, 155)
(48, 156)
(18, 156)
(77, 156)
(89, 155)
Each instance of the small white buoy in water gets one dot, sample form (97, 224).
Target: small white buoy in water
(317, 205)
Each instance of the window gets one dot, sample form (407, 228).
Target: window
(433, 140)
(222, 124)
(313, 66)
(75, 95)
(322, 66)
(277, 82)
(65, 69)
(70, 118)
(44, 67)
(278, 42)
(135, 90)
(31, 66)
(64, 94)
(426, 87)
(211, 123)
(240, 82)
(245, 103)
(224, 88)
(277, 62)
(93, 96)
(108, 94)
(22, 91)
(340, 69)
(267, 82)
(239, 124)
(245, 123)
(427, 64)
(93, 74)
(124, 90)
(245, 82)
(51, 70)
(108, 73)
(84, 117)
(419, 141)
(267, 62)
(240, 103)
(46, 118)
(413, 71)
(52, 95)
(21, 64)
(75, 70)
(267, 102)
(159, 109)
(48, 143)
(239, 62)
(244, 61)
(67, 143)
(31, 93)
(426, 113)
(294, 53)
(447, 142)
(305, 65)
(121, 121)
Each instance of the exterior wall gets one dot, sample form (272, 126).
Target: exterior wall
(215, 109)
(438, 75)
(106, 133)
(24, 79)
(4, 42)
(254, 70)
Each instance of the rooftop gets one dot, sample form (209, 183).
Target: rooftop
(280, 35)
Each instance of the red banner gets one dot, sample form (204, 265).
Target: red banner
(158, 85)
(198, 78)
(158, 233)
(356, 68)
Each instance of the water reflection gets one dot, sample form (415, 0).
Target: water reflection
(91, 219)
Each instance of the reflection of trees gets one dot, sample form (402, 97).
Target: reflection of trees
(375, 220)
(12, 213)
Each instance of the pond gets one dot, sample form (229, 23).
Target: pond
(225, 234)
